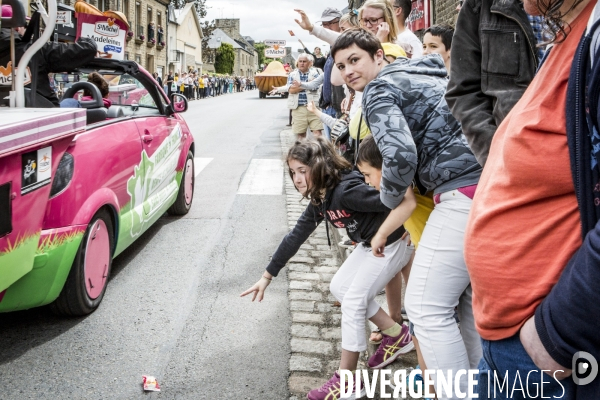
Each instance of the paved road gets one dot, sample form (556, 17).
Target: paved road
(172, 308)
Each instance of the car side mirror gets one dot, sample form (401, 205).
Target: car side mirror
(178, 104)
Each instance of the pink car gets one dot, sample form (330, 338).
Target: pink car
(133, 163)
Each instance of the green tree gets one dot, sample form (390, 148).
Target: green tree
(208, 54)
(260, 48)
(225, 59)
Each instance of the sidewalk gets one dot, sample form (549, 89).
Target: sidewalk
(315, 332)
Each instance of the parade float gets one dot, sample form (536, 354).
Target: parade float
(274, 75)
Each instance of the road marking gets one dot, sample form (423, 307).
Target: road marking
(200, 164)
(263, 177)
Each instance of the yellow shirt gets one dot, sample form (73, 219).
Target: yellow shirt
(355, 122)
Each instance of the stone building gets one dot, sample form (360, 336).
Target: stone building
(246, 57)
(147, 22)
(184, 39)
(290, 57)
(445, 12)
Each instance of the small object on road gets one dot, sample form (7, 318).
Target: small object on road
(150, 384)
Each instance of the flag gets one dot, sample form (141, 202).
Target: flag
(291, 33)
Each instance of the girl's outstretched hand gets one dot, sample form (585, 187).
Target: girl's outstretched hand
(258, 289)
(378, 245)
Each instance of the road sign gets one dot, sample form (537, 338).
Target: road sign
(272, 52)
(275, 42)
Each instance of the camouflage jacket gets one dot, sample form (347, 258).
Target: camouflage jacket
(417, 135)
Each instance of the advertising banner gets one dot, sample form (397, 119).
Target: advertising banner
(275, 42)
(275, 52)
(108, 33)
(420, 17)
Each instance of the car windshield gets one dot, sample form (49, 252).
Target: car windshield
(126, 90)
(123, 89)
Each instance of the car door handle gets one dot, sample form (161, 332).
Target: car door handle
(147, 138)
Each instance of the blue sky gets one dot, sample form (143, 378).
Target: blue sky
(271, 19)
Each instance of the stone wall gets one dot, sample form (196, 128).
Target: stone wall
(445, 11)
(231, 26)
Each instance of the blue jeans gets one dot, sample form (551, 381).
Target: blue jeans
(508, 358)
(70, 103)
(326, 130)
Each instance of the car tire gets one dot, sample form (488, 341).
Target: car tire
(261, 95)
(88, 277)
(285, 95)
(183, 203)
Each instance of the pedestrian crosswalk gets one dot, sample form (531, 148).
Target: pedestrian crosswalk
(200, 164)
(263, 177)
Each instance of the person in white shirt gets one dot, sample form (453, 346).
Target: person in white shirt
(405, 36)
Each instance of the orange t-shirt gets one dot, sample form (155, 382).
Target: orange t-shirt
(524, 223)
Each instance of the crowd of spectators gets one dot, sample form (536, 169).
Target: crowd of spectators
(196, 86)
(482, 142)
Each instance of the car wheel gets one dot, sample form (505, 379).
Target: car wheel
(183, 203)
(285, 95)
(87, 280)
(261, 95)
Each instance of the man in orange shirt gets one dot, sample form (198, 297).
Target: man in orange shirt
(524, 231)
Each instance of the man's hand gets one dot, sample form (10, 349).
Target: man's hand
(536, 350)
(383, 30)
(304, 22)
(258, 288)
(274, 91)
(295, 84)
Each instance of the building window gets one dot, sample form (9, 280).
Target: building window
(103, 5)
(138, 59)
(138, 19)
(126, 9)
(160, 33)
(127, 55)
(151, 27)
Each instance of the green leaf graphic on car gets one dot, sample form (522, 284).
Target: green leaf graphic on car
(137, 187)
(147, 185)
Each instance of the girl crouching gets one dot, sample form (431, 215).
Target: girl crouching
(342, 197)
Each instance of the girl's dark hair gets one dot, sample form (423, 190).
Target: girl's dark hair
(325, 164)
(443, 31)
(364, 39)
(99, 81)
(553, 18)
(369, 153)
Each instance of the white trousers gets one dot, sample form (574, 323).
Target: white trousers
(358, 281)
(439, 282)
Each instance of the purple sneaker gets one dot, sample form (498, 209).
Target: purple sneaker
(331, 390)
(390, 348)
